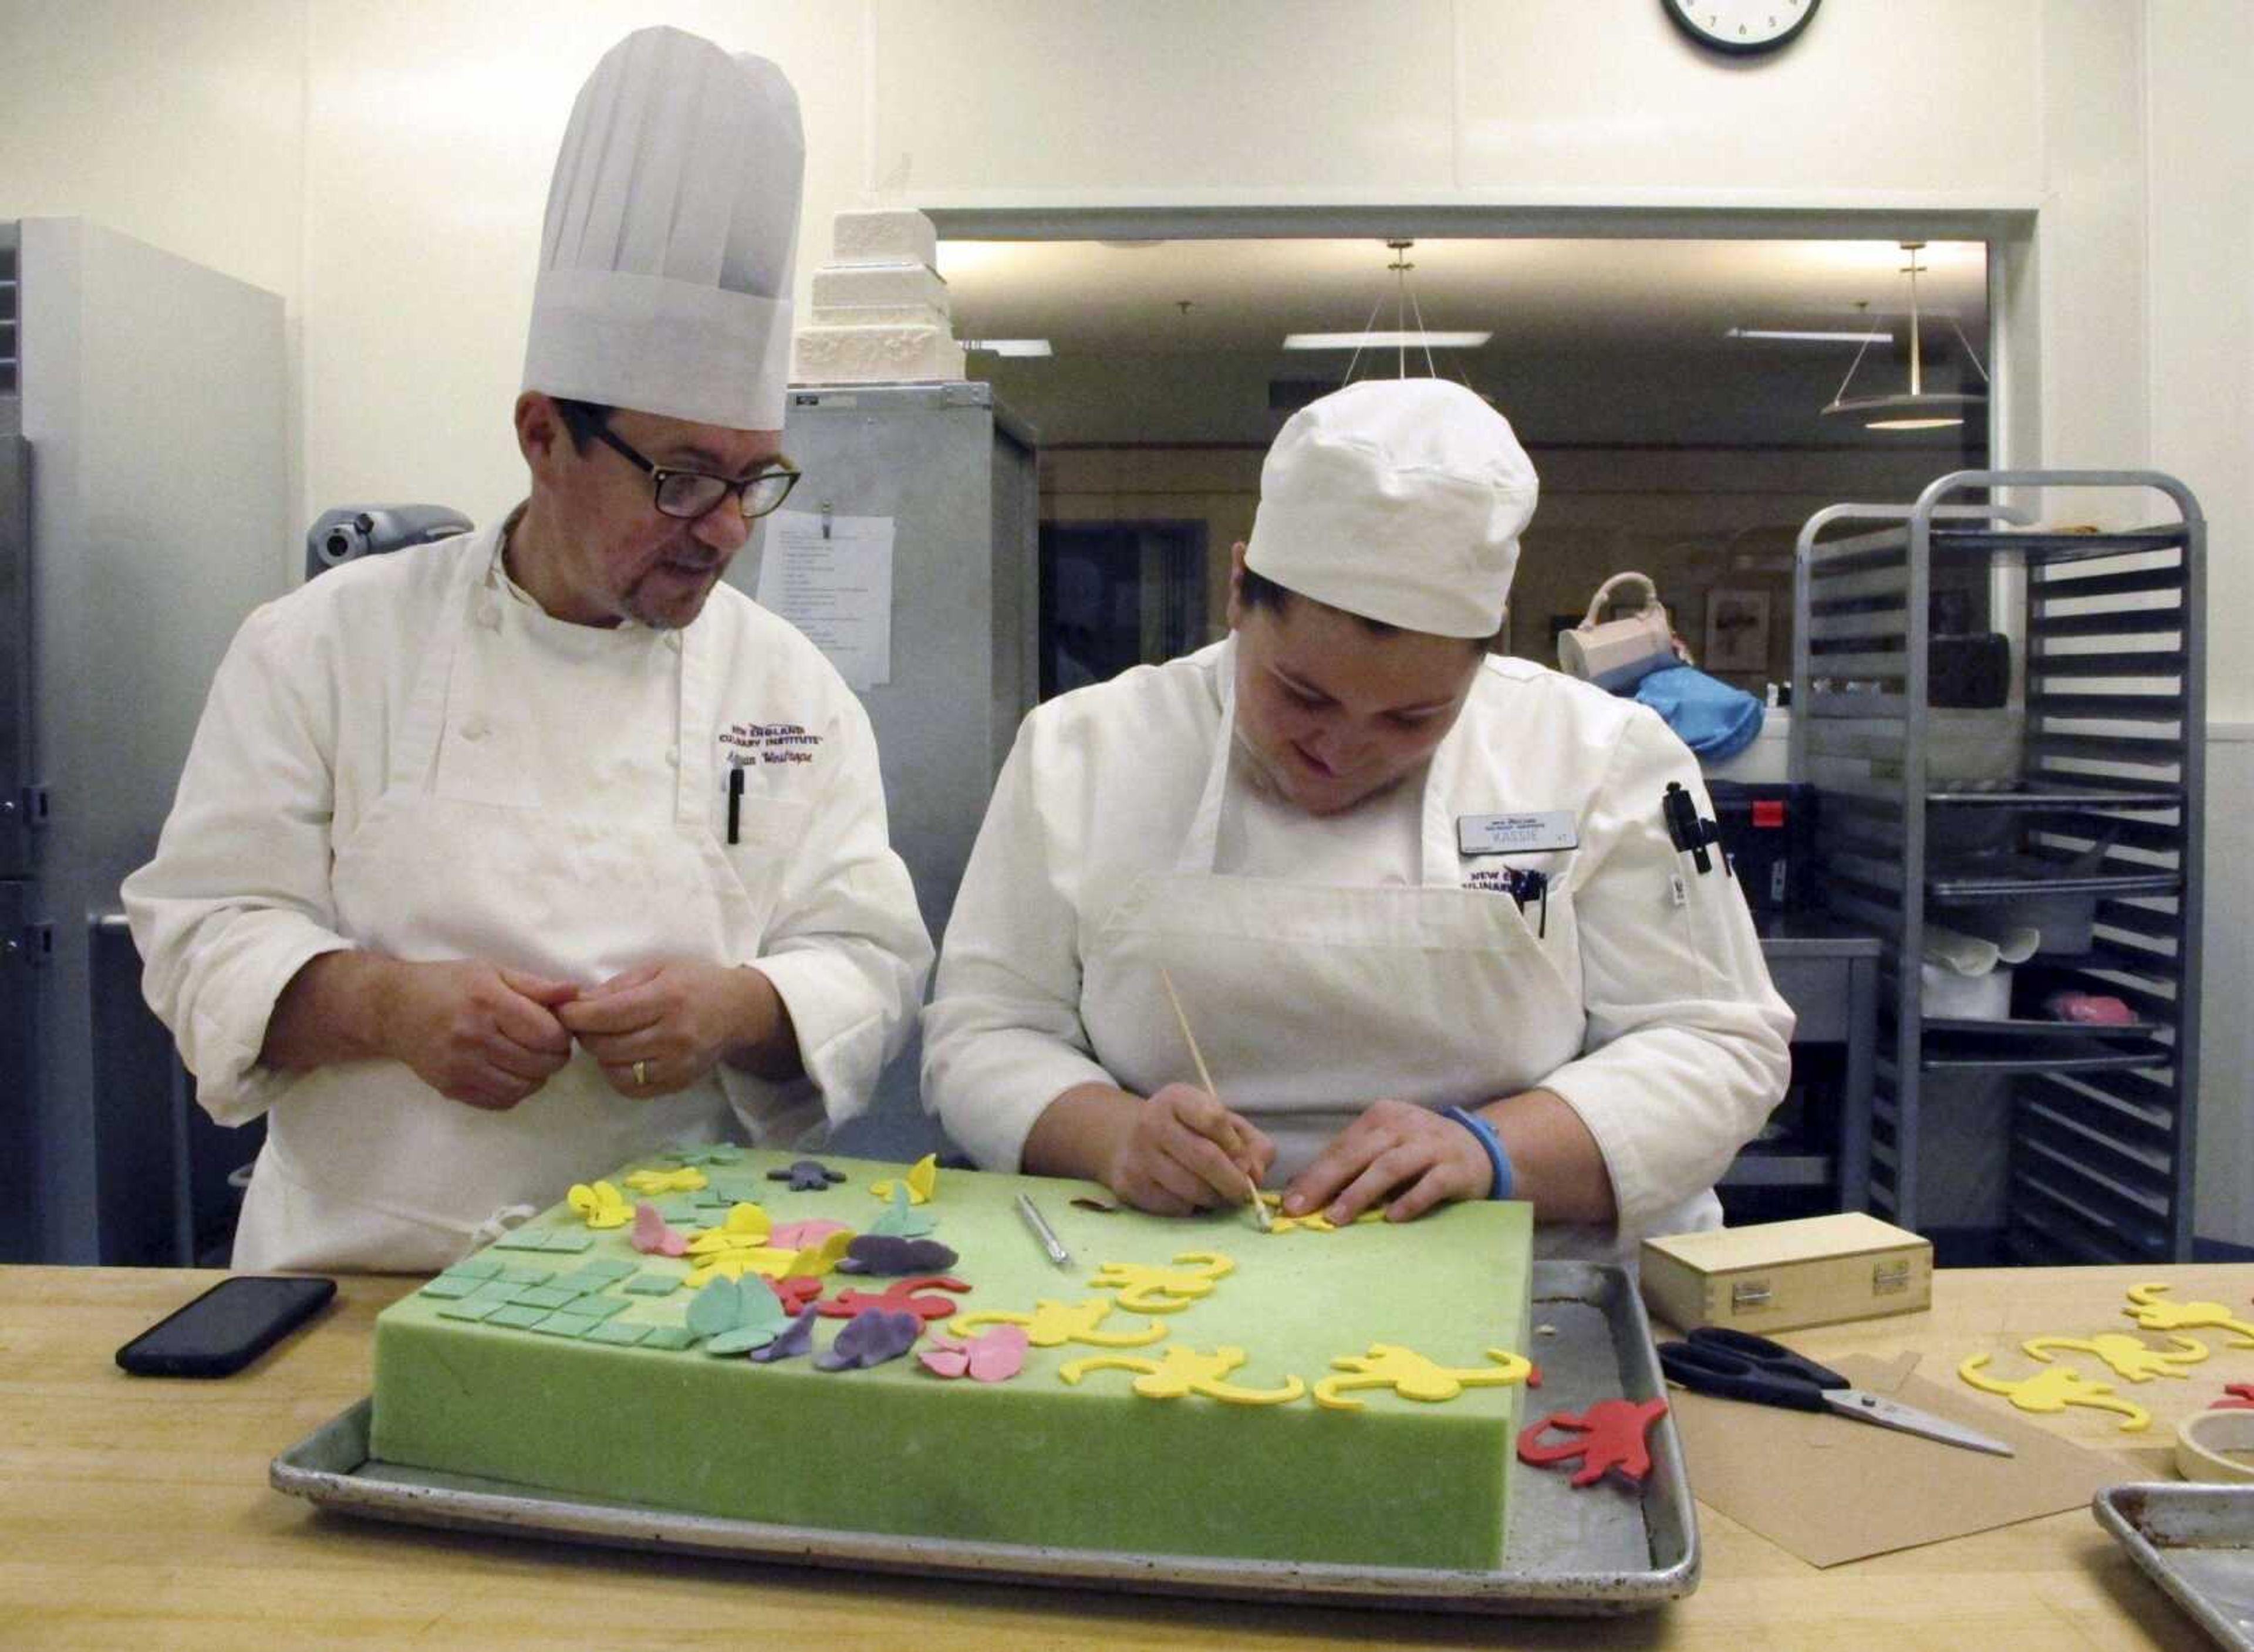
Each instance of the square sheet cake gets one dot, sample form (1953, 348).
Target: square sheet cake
(1189, 1386)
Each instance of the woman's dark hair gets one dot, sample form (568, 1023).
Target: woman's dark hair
(581, 420)
(1258, 591)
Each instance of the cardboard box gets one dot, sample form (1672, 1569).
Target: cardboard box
(1783, 1274)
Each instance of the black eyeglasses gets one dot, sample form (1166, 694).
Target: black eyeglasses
(689, 494)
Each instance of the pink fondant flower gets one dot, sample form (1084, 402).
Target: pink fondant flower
(652, 1237)
(802, 1236)
(994, 1356)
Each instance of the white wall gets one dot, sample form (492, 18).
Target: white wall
(382, 165)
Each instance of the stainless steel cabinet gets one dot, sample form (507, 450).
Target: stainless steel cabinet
(956, 473)
(142, 515)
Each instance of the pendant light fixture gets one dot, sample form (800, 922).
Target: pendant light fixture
(1920, 408)
(1402, 336)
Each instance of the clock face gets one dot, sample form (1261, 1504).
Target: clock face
(1741, 26)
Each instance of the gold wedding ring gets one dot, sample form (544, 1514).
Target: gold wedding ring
(641, 1073)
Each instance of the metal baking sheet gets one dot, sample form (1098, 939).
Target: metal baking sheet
(2197, 1543)
(1602, 1550)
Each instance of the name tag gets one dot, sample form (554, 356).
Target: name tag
(1517, 834)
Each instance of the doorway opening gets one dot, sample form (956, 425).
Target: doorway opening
(1115, 594)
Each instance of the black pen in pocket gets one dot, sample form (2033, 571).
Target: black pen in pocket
(735, 800)
(1526, 884)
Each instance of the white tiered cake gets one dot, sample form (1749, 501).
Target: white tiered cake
(881, 308)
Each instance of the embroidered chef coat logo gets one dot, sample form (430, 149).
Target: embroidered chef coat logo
(1521, 883)
(750, 743)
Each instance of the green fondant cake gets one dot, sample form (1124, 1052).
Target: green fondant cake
(564, 1395)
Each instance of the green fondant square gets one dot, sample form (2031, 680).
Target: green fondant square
(568, 1242)
(517, 1318)
(651, 1285)
(670, 1336)
(580, 1281)
(476, 1268)
(447, 1288)
(470, 1308)
(573, 1324)
(546, 1296)
(619, 1332)
(599, 1307)
(521, 1239)
(607, 1267)
(521, 1274)
(497, 1292)
(678, 1208)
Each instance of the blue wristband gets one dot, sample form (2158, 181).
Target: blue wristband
(1497, 1157)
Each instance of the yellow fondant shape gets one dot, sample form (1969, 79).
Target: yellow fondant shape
(922, 1182)
(2054, 1389)
(1412, 1376)
(1147, 1288)
(1313, 1221)
(1184, 1371)
(601, 1205)
(687, 1179)
(2153, 1314)
(1054, 1324)
(728, 1264)
(745, 1229)
(770, 1262)
(818, 1261)
(2123, 1354)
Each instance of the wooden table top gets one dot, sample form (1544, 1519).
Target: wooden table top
(135, 1512)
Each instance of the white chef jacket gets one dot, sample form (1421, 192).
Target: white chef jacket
(1640, 996)
(424, 673)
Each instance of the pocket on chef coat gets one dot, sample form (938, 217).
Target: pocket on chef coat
(768, 832)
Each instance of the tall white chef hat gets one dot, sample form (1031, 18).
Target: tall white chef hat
(665, 266)
(1400, 499)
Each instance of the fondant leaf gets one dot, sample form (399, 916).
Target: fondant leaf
(717, 1308)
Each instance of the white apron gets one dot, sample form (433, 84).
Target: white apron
(365, 1165)
(1311, 1001)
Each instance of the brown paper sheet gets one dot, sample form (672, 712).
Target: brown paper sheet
(1830, 1490)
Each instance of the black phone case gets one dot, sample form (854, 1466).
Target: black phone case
(227, 1327)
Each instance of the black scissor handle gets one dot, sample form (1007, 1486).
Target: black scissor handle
(1738, 1365)
(1772, 1357)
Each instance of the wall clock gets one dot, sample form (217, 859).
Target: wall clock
(1742, 26)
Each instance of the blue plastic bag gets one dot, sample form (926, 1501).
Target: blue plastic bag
(1713, 719)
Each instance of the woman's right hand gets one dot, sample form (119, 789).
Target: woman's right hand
(1183, 1150)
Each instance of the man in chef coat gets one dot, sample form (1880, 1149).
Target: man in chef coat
(500, 861)
(1420, 903)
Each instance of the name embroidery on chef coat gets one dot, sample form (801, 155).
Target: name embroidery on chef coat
(750, 743)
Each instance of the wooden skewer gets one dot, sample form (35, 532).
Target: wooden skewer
(1259, 1206)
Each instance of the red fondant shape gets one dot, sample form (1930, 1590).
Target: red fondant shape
(2241, 1398)
(1610, 1436)
(898, 1298)
(796, 1292)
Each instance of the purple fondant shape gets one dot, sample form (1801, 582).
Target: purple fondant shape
(792, 1343)
(806, 1176)
(882, 1254)
(870, 1338)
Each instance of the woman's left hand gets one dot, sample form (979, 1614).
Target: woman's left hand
(1394, 1148)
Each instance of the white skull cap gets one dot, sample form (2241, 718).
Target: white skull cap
(666, 263)
(1399, 499)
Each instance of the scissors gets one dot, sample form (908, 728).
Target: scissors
(1740, 1365)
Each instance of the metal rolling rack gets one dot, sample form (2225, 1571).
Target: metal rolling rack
(2102, 806)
